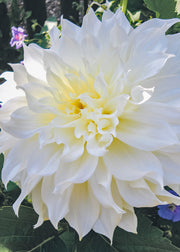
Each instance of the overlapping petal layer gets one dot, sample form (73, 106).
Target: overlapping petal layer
(90, 127)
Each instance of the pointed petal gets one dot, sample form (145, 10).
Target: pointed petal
(101, 186)
(129, 220)
(8, 89)
(56, 203)
(82, 202)
(107, 222)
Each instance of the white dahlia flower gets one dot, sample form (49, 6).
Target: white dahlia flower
(90, 127)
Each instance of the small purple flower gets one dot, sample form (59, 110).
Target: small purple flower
(170, 211)
(18, 37)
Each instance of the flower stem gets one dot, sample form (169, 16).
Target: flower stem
(124, 6)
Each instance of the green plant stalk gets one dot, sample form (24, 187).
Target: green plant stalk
(124, 6)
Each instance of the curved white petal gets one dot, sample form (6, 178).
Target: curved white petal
(82, 201)
(129, 164)
(101, 186)
(16, 159)
(8, 89)
(129, 220)
(170, 163)
(107, 222)
(33, 60)
(39, 205)
(57, 213)
(27, 186)
(54, 37)
(20, 74)
(137, 193)
(150, 124)
(77, 171)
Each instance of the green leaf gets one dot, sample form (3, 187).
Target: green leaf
(2, 249)
(134, 6)
(27, 14)
(175, 233)
(163, 8)
(11, 186)
(95, 242)
(70, 238)
(148, 239)
(18, 234)
(51, 19)
(56, 245)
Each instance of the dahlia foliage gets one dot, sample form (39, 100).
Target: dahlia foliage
(90, 127)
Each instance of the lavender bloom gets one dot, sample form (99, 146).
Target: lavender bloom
(170, 211)
(18, 37)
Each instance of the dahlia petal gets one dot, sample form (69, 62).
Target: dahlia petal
(122, 21)
(173, 43)
(97, 147)
(164, 196)
(24, 123)
(90, 48)
(107, 222)
(170, 163)
(158, 24)
(140, 95)
(33, 60)
(154, 43)
(61, 88)
(137, 193)
(154, 133)
(101, 186)
(78, 218)
(57, 65)
(73, 152)
(163, 92)
(38, 205)
(37, 97)
(78, 171)
(27, 186)
(117, 23)
(91, 23)
(129, 220)
(9, 107)
(6, 141)
(20, 74)
(107, 14)
(156, 112)
(73, 148)
(16, 159)
(153, 63)
(44, 161)
(70, 52)
(54, 37)
(57, 213)
(8, 89)
(69, 29)
(127, 163)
